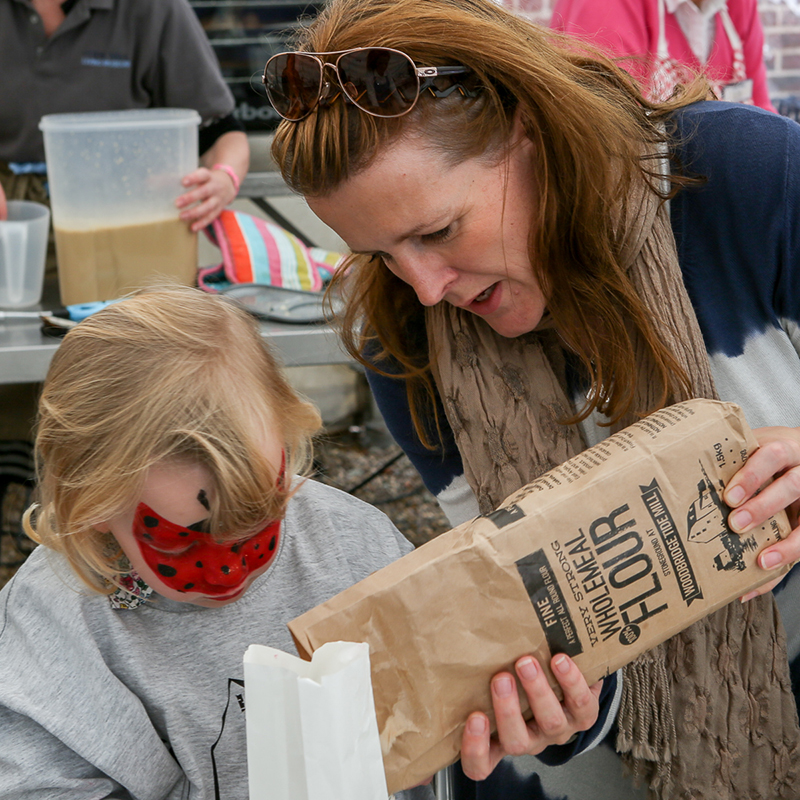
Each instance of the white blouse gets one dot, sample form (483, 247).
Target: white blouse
(698, 24)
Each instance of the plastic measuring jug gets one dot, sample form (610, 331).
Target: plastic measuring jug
(114, 177)
(23, 249)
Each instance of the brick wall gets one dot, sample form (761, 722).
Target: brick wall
(781, 21)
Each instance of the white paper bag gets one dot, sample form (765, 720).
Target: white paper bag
(312, 733)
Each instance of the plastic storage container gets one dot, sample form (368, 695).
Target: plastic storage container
(23, 249)
(114, 177)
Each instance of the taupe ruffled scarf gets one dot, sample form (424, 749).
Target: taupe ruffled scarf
(710, 713)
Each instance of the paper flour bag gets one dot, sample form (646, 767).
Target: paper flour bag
(311, 727)
(603, 557)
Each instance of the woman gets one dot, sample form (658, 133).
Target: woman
(665, 42)
(518, 288)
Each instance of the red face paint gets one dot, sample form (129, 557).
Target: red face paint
(188, 560)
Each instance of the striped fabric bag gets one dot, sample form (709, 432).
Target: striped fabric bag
(257, 251)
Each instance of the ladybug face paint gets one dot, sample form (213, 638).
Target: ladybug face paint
(177, 556)
(186, 559)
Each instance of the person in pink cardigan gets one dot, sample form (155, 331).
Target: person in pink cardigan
(669, 41)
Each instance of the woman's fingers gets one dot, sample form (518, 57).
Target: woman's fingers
(550, 723)
(203, 215)
(581, 703)
(480, 753)
(553, 722)
(213, 190)
(786, 551)
(778, 456)
(779, 495)
(778, 460)
(557, 721)
(512, 729)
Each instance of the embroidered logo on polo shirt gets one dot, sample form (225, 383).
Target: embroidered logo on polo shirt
(108, 60)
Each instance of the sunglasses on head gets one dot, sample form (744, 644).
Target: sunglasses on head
(379, 80)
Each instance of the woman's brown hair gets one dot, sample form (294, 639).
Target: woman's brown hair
(169, 373)
(595, 138)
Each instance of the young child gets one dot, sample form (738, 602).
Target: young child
(175, 533)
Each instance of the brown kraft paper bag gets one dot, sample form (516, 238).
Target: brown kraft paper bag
(605, 556)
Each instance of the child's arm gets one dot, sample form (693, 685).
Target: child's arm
(34, 763)
(69, 727)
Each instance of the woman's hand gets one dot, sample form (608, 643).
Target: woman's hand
(553, 721)
(211, 190)
(778, 457)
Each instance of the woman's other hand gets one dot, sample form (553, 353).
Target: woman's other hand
(3, 204)
(211, 190)
(778, 458)
(553, 721)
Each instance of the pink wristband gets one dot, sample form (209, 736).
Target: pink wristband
(231, 173)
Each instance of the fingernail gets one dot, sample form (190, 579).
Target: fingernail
(770, 560)
(561, 664)
(503, 686)
(740, 520)
(527, 669)
(748, 596)
(734, 496)
(476, 726)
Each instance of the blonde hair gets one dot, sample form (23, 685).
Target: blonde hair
(590, 126)
(168, 373)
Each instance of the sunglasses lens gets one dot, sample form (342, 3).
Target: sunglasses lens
(379, 80)
(293, 81)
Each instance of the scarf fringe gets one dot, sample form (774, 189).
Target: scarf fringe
(647, 739)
